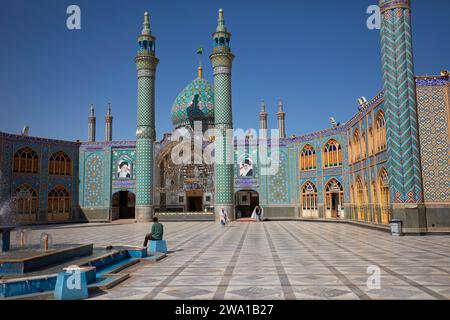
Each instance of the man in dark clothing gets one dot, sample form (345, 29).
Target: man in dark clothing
(156, 232)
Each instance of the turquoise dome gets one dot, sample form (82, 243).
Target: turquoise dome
(194, 103)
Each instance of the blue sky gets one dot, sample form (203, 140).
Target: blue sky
(318, 56)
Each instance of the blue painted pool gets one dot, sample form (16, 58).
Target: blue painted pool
(102, 268)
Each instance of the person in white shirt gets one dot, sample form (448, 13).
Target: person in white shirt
(258, 213)
(223, 217)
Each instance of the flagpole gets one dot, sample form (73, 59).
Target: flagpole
(200, 69)
(200, 56)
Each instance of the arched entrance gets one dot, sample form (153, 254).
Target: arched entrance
(194, 200)
(123, 204)
(360, 199)
(383, 183)
(245, 202)
(334, 199)
(309, 200)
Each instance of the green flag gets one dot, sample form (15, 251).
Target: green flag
(200, 51)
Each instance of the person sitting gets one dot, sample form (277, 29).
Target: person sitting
(156, 232)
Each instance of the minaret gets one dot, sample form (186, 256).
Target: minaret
(263, 121)
(405, 185)
(91, 125)
(108, 124)
(222, 60)
(146, 63)
(281, 120)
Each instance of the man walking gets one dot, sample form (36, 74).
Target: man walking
(156, 232)
(258, 213)
(223, 217)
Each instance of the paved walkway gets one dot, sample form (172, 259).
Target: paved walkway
(275, 260)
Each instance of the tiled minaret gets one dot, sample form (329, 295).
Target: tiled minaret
(263, 121)
(281, 120)
(108, 124)
(222, 60)
(91, 124)
(401, 123)
(146, 63)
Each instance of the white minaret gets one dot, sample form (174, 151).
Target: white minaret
(91, 125)
(281, 120)
(263, 121)
(108, 123)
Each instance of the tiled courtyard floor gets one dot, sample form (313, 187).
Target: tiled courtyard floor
(275, 260)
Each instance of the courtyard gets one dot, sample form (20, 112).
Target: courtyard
(273, 260)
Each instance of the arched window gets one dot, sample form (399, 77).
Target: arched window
(384, 196)
(353, 201)
(380, 132)
(363, 146)
(332, 154)
(350, 152)
(58, 203)
(60, 164)
(374, 202)
(309, 200)
(308, 160)
(360, 201)
(26, 161)
(25, 203)
(334, 199)
(370, 140)
(357, 145)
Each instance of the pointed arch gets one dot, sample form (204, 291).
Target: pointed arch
(380, 132)
(384, 196)
(59, 203)
(350, 151)
(26, 160)
(332, 154)
(360, 201)
(308, 158)
(374, 202)
(309, 200)
(356, 138)
(363, 146)
(60, 164)
(371, 142)
(353, 199)
(25, 203)
(334, 199)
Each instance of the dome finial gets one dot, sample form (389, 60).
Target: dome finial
(200, 69)
(280, 105)
(221, 22)
(146, 25)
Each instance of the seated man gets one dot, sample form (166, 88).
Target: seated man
(156, 232)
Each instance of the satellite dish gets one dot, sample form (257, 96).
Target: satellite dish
(362, 103)
(333, 122)
(25, 131)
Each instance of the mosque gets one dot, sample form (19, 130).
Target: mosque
(390, 160)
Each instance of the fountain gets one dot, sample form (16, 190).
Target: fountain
(30, 267)
(46, 241)
(25, 256)
(23, 237)
(6, 225)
